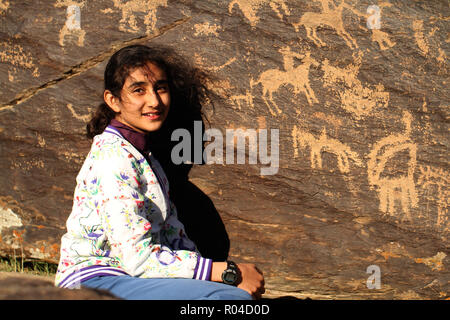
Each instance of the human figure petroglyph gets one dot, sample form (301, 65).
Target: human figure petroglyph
(429, 177)
(331, 15)
(298, 77)
(354, 97)
(128, 22)
(322, 144)
(250, 7)
(402, 187)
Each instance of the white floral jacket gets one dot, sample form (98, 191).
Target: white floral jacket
(122, 220)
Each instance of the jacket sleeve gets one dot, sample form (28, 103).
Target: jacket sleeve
(122, 207)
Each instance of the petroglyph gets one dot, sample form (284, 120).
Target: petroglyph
(250, 8)
(354, 97)
(72, 26)
(15, 55)
(382, 38)
(243, 99)
(4, 5)
(206, 29)
(436, 179)
(374, 24)
(129, 23)
(296, 76)
(41, 140)
(84, 118)
(401, 187)
(442, 56)
(84, 66)
(226, 64)
(421, 42)
(331, 16)
(28, 165)
(343, 153)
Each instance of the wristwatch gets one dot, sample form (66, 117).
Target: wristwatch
(231, 274)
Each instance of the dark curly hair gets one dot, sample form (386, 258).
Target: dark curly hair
(187, 86)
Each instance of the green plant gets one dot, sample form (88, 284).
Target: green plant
(30, 266)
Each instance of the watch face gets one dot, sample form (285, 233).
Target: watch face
(230, 277)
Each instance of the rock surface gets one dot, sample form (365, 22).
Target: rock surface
(17, 286)
(359, 94)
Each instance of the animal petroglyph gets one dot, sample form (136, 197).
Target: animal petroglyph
(243, 99)
(322, 144)
(354, 97)
(437, 179)
(401, 187)
(250, 8)
(128, 22)
(296, 76)
(331, 16)
(84, 118)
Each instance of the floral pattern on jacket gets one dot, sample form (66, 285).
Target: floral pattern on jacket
(122, 217)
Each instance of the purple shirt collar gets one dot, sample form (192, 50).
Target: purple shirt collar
(137, 139)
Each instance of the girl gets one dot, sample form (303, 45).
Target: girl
(123, 234)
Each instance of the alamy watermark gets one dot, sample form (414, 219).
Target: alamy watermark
(235, 140)
(73, 21)
(374, 20)
(374, 280)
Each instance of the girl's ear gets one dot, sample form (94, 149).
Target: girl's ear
(112, 101)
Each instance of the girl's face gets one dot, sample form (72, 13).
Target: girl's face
(145, 99)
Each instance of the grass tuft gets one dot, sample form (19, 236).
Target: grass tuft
(29, 266)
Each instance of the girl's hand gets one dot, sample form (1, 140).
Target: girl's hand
(251, 278)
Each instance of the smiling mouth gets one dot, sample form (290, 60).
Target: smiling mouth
(152, 115)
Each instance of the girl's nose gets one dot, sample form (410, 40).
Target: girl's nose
(152, 99)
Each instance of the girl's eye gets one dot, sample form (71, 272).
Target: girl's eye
(138, 90)
(161, 88)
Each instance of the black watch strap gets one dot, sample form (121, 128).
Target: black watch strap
(231, 265)
(231, 274)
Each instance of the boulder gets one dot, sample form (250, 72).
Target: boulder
(343, 193)
(21, 286)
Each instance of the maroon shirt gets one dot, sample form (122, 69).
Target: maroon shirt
(137, 139)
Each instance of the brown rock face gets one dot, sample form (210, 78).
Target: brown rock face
(355, 204)
(27, 287)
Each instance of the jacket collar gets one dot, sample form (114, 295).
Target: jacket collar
(137, 139)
